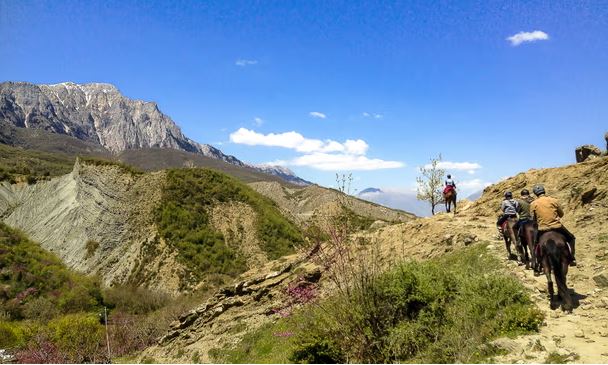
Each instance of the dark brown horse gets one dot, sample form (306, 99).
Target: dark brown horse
(510, 237)
(556, 258)
(527, 234)
(449, 198)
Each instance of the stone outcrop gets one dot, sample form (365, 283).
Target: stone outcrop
(587, 152)
(606, 138)
(260, 296)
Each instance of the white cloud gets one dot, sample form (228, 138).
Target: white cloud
(470, 167)
(244, 62)
(342, 162)
(522, 37)
(295, 141)
(468, 187)
(258, 121)
(317, 115)
(372, 115)
(327, 155)
(356, 147)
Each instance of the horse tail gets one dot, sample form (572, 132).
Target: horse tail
(554, 254)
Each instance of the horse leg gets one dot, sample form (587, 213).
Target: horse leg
(454, 203)
(562, 286)
(524, 247)
(547, 272)
(507, 245)
(530, 245)
(517, 244)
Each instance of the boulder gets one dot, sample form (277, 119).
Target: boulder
(606, 138)
(601, 280)
(587, 152)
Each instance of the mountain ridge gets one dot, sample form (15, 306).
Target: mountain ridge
(99, 114)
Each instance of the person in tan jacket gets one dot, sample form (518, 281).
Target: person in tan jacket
(547, 212)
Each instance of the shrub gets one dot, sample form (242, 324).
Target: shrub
(103, 162)
(519, 319)
(31, 273)
(317, 351)
(438, 311)
(41, 309)
(79, 338)
(91, 247)
(134, 299)
(11, 335)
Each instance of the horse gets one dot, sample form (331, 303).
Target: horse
(449, 198)
(508, 234)
(556, 257)
(527, 234)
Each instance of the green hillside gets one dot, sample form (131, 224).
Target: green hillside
(183, 220)
(35, 283)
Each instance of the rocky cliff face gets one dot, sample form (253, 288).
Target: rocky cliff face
(97, 113)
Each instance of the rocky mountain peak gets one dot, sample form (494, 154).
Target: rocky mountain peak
(98, 113)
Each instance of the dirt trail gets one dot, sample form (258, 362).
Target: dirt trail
(581, 336)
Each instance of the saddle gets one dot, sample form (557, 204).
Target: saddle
(447, 189)
(539, 252)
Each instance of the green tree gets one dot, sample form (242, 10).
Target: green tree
(430, 182)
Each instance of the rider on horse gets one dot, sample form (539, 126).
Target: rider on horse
(524, 209)
(449, 185)
(548, 213)
(509, 208)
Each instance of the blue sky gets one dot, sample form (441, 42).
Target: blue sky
(403, 81)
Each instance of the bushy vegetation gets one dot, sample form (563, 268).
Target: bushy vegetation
(440, 311)
(104, 162)
(183, 220)
(17, 164)
(50, 314)
(35, 284)
(134, 299)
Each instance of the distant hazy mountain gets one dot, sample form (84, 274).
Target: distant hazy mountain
(369, 191)
(398, 200)
(475, 195)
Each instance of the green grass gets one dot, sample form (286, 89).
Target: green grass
(183, 220)
(270, 344)
(17, 164)
(445, 310)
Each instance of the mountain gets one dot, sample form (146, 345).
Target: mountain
(369, 191)
(398, 200)
(284, 173)
(98, 113)
(476, 195)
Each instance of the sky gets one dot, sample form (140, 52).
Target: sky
(375, 88)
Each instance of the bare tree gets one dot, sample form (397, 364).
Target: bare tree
(430, 183)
